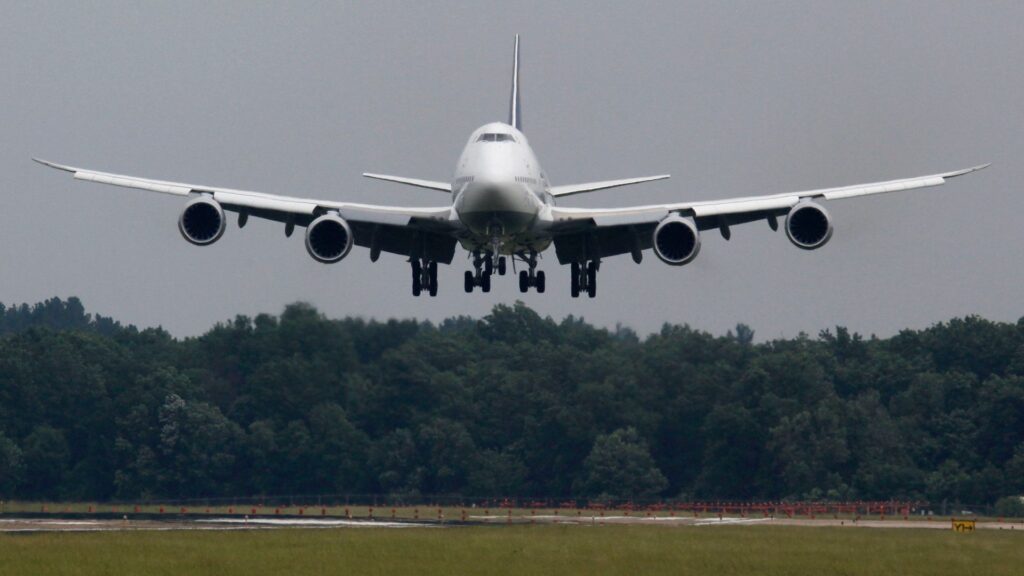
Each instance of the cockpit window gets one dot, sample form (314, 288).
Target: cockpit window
(495, 137)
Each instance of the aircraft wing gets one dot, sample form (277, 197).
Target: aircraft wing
(396, 229)
(620, 230)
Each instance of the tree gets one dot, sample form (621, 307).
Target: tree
(620, 466)
(46, 458)
(197, 448)
(10, 467)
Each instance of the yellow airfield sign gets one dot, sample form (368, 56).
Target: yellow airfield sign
(963, 525)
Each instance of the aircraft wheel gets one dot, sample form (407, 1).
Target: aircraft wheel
(592, 279)
(524, 281)
(432, 274)
(488, 267)
(501, 266)
(485, 282)
(417, 278)
(575, 279)
(469, 283)
(540, 282)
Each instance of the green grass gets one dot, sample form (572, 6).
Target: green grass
(519, 550)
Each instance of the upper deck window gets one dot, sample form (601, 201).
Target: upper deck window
(495, 137)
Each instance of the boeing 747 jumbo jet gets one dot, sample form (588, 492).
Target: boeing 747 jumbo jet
(503, 208)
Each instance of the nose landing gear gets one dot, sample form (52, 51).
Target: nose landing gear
(584, 278)
(424, 276)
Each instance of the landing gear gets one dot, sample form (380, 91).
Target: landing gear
(501, 266)
(584, 278)
(481, 276)
(531, 277)
(424, 277)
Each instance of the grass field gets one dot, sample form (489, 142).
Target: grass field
(518, 550)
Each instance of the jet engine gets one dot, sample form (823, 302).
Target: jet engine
(676, 240)
(808, 226)
(328, 238)
(202, 221)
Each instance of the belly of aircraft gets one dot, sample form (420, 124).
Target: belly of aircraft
(493, 210)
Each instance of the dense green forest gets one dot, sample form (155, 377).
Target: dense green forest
(511, 404)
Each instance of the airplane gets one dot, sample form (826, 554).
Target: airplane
(502, 207)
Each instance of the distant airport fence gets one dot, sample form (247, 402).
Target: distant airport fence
(448, 507)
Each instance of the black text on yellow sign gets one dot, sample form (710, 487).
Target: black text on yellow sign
(963, 525)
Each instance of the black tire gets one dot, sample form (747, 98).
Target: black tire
(469, 282)
(488, 267)
(501, 266)
(524, 281)
(485, 282)
(575, 280)
(432, 274)
(540, 282)
(592, 279)
(417, 277)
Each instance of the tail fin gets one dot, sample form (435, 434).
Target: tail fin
(515, 118)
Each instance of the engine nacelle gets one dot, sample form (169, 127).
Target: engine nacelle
(808, 226)
(328, 238)
(202, 221)
(676, 240)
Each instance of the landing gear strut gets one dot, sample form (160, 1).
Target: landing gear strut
(424, 276)
(584, 278)
(483, 267)
(532, 277)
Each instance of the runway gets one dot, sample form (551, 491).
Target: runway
(108, 525)
(28, 524)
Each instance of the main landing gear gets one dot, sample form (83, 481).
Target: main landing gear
(584, 278)
(532, 277)
(483, 268)
(424, 276)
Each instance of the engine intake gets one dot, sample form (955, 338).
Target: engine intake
(808, 226)
(676, 240)
(328, 238)
(202, 221)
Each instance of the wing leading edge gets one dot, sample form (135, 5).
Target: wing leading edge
(232, 198)
(396, 229)
(748, 204)
(612, 231)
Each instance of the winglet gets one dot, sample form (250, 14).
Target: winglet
(966, 170)
(515, 118)
(55, 165)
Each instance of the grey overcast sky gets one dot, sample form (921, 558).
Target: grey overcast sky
(731, 98)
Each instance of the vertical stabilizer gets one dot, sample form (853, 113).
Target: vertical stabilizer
(515, 118)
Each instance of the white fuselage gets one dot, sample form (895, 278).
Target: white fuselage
(499, 191)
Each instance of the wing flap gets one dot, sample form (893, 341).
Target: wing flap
(747, 205)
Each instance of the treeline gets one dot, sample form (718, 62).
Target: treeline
(511, 404)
